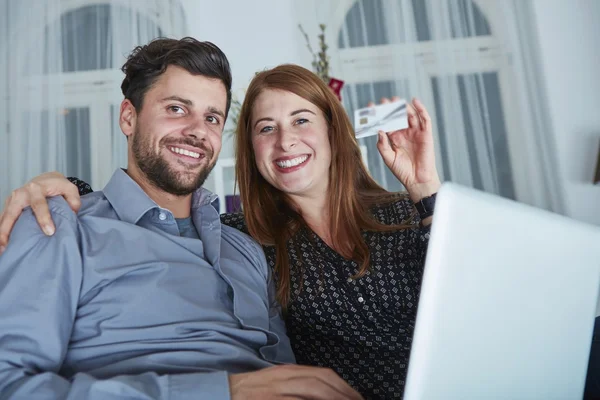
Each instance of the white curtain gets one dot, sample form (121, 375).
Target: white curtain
(474, 65)
(60, 82)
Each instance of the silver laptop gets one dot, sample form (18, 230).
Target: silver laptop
(507, 304)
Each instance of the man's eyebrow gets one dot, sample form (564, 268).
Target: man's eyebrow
(190, 103)
(291, 114)
(215, 110)
(187, 102)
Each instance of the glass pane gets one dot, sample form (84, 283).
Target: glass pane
(119, 141)
(356, 96)
(77, 142)
(85, 35)
(365, 23)
(496, 142)
(36, 142)
(88, 36)
(56, 140)
(467, 20)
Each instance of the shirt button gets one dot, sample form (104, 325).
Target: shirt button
(360, 299)
(162, 216)
(349, 280)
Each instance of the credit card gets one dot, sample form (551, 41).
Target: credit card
(386, 117)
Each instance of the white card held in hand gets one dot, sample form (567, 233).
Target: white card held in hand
(385, 117)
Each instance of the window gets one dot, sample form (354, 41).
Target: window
(94, 39)
(387, 47)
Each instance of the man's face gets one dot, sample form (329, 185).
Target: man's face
(176, 137)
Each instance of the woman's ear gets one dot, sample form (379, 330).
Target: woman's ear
(127, 118)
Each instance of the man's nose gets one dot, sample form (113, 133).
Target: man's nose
(196, 129)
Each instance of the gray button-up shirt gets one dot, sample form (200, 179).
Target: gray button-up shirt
(116, 304)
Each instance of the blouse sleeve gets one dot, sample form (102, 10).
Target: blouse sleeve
(404, 210)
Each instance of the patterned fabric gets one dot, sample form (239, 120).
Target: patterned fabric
(83, 187)
(360, 328)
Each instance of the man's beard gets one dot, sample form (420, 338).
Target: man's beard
(160, 173)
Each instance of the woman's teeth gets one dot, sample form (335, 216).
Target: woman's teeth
(292, 163)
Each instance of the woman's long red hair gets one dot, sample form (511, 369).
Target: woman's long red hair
(270, 217)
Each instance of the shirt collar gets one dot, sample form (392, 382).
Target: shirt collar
(131, 203)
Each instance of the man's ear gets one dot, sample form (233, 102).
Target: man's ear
(127, 118)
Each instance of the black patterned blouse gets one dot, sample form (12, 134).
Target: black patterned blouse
(360, 328)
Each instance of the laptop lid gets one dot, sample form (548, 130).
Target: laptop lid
(507, 303)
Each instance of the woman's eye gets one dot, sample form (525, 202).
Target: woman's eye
(266, 129)
(301, 121)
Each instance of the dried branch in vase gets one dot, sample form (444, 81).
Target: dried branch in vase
(234, 115)
(320, 61)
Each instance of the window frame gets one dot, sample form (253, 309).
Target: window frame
(354, 65)
(97, 90)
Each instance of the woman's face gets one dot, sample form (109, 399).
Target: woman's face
(291, 143)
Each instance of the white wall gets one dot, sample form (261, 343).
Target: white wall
(568, 34)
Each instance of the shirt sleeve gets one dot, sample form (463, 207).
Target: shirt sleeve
(281, 352)
(40, 280)
(284, 353)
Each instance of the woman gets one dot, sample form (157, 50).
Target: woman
(348, 255)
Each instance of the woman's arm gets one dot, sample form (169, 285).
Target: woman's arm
(409, 154)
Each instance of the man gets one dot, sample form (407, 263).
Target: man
(144, 294)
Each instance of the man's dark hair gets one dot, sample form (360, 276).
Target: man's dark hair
(146, 63)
